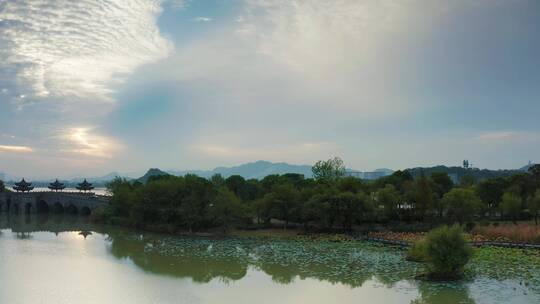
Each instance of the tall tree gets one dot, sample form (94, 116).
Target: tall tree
(388, 197)
(461, 204)
(423, 197)
(534, 206)
(328, 170)
(511, 205)
(225, 208)
(490, 192)
(285, 203)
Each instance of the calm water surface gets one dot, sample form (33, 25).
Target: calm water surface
(68, 260)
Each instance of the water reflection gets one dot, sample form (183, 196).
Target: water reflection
(440, 293)
(204, 261)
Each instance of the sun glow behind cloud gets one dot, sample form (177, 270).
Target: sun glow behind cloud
(83, 140)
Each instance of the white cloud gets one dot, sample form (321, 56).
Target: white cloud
(77, 49)
(507, 136)
(15, 149)
(84, 141)
(203, 19)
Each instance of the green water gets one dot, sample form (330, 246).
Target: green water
(69, 260)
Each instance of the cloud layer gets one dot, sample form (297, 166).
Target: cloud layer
(76, 49)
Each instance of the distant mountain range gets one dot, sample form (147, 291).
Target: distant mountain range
(260, 169)
(456, 173)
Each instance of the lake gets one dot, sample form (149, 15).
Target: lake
(67, 259)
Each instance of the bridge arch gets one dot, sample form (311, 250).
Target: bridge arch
(16, 208)
(85, 210)
(71, 209)
(42, 207)
(58, 208)
(28, 208)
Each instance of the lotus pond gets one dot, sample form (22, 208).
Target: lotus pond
(69, 260)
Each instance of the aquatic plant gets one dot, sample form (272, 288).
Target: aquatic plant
(446, 252)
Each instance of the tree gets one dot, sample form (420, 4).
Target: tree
(317, 209)
(217, 180)
(446, 252)
(423, 197)
(225, 208)
(534, 205)
(236, 184)
(284, 200)
(490, 192)
(442, 183)
(349, 207)
(534, 170)
(262, 208)
(2, 186)
(467, 181)
(350, 184)
(388, 198)
(461, 203)
(511, 205)
(329, 170)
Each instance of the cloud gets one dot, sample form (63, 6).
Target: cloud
(84, 140)
(507, 136)
(296, 152)
(203, 19)
(15, 149)
(76, 49)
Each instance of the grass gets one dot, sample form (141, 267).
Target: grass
(521, 233)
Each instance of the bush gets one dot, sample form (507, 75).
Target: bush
(417, 253)
(446, 252)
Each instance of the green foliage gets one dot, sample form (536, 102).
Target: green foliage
(511, 205)
(328, 202)
(442, 183)
(417, 252)
(461, 204)
(491, 191)
(2, 186)
(329, 170)
(423, 197)
(225, 208)
(534, 206)
(446, 252)
(388, 198)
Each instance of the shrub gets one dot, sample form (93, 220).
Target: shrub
(417, 253)
(446, 252)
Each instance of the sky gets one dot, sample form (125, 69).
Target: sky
(89, 87)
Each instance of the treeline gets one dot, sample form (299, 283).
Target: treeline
(328, 201)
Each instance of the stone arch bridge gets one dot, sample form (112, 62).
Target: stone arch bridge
(51, 202)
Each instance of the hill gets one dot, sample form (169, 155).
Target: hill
(150, 173)
(258, 170)
(458, 172)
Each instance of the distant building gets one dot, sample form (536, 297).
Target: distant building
(366, 175)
